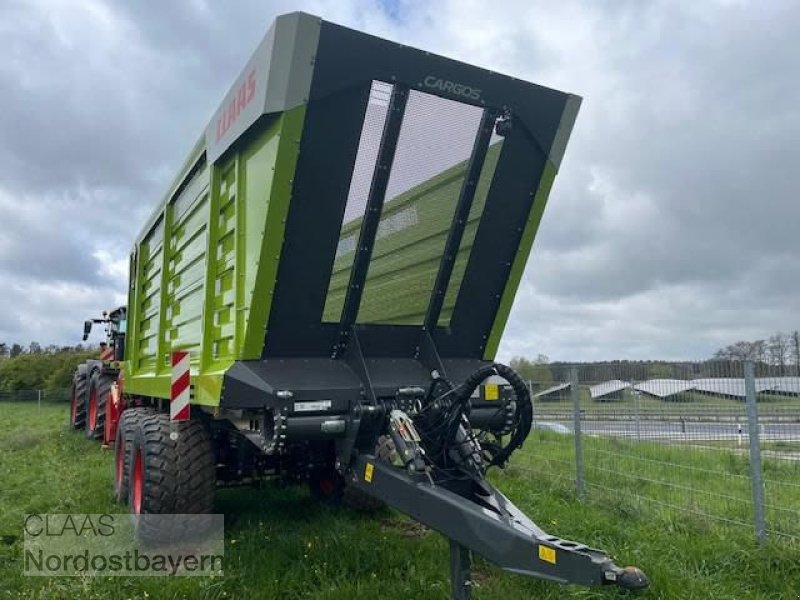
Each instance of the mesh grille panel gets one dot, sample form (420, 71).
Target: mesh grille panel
(433, 149)
(475, 214)
(366, 158)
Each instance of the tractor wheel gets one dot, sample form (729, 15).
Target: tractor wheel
(384, 451)
(173, 469)
(172, 472)
(326, 485)
(77, 403)
(331, 488)
(123, 450)
(96, 401)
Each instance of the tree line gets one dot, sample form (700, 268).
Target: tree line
(775, 356)
(543, 373)
(37, 367)
(780, 351)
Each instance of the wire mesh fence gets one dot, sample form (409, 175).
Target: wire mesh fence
(719, 440)
(49, 395)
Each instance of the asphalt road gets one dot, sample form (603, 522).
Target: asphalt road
(692, 430)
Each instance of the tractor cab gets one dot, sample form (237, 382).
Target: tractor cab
(116, 324)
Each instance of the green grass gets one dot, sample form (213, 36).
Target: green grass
(281, 544)
(670, 481)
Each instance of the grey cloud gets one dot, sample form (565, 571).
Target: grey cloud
(672, 228)
(695, 149)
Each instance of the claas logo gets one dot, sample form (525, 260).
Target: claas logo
(244, 95)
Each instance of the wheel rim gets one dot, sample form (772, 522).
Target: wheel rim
(120, 460)
(92, 409)
(327, 486)
(137, 482)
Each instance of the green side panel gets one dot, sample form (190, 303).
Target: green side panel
(273, 189)
(183, 225)
(521, 259)
(148, 309)
(222, 300)
(205, 273)
(183, 322)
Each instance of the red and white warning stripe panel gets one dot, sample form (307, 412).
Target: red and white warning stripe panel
(180, 392)
(106, 353)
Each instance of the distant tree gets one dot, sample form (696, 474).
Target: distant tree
(61, 376)
(795, 337)
(759, 351)
(660, 370)
(35, 348)
(16, 350)
(778, 349)
(739, 351)
(40, 371)
(3, 350)
(26, 372)
(536, 370)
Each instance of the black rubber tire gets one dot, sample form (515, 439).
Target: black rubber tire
(77, 412)
(178, 477)
(326, 485)
(100, 385)
(178, 465)
(123, 450)
(353, 497)
(385, 450)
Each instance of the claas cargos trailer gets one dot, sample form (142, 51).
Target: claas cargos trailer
(320, 296)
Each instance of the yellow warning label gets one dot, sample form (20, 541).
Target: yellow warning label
(368, 472)
(547, 554)
(491, 391)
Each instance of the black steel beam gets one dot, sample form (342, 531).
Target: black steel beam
(372, 214)
(460, 572)
(478, 156)
(428, 355)
(497, 530)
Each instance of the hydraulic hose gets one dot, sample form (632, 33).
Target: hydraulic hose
(524, 413)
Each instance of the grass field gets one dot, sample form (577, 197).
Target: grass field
(673, 481)
(281, 544)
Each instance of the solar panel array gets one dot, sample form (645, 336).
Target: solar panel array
(722, 386)
(552, 390)
(608, 387)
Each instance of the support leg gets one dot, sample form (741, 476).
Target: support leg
(459, 571)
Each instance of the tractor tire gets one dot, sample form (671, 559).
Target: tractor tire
(123, 450)
(354, 498)
(172, 472)
(385, 450)
(176, 467)
(329, 487)
(96, 402)
(326, 485)
(77, 403)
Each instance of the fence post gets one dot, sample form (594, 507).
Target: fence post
(576, 423)
(39, 402)
(755, 450)
(533, 405)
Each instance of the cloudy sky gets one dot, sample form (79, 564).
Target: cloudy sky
(673, 227)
